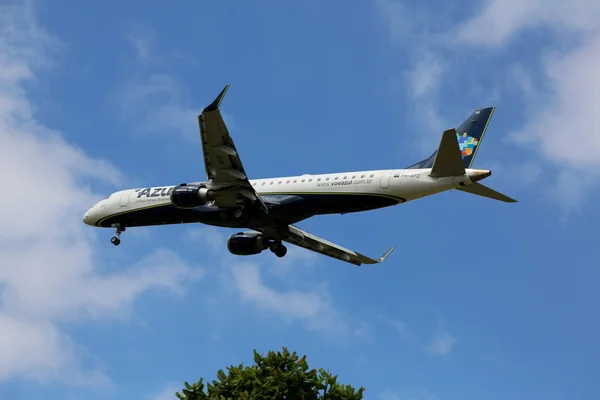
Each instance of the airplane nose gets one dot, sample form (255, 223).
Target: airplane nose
(87, 218)
(95, 213)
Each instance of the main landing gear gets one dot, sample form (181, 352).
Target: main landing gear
(278, 249)
(116, 239)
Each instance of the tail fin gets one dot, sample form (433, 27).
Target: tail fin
(469, 136)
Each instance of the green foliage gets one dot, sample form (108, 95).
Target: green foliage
(279, 375)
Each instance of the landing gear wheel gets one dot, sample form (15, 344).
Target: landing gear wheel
(116, 239)
(281, 251)
(238, 214)
(278, 249)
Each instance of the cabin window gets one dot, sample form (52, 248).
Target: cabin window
(295, 181)
(362, 176)
(336, 178)
(327, 179)
(271, 183)
(318, 180)
(345, 177)
(279, 183)
(302, 180)
(287, 182)
(354, 177)
(310, 180)
(263, 184)
(371, 175)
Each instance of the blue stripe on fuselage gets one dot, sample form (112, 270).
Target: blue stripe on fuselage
(283, 209)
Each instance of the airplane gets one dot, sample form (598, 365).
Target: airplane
(269, 208)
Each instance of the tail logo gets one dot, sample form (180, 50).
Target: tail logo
(466, 143)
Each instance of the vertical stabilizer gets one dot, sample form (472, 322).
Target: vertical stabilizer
(471, 132)
(469, 135)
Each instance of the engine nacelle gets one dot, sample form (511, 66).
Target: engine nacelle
(190, 196)
(246, 243)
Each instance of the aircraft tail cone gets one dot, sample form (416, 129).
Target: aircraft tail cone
(479, 174)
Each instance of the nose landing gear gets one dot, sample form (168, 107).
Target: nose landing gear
(116, 239)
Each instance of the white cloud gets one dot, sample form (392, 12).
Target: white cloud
(441, 344)
(142, 39)
(422, 78)
(426, 74)
(157, 103)
(313, 307)
(566, 128)
(560, 122)
(572, 188)
(521, 76)
(49, 271)
(402, 329)
(152, 98)
(561, 103)
(400, 326)
(501, 20)
(288, 300)
(210, 237)
(297, 261)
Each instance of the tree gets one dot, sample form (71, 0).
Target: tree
(279, 375)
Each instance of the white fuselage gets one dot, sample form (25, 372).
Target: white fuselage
(405, 184)
(401, 184)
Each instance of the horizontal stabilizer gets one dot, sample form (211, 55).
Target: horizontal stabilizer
(481, 190)
(448, 160)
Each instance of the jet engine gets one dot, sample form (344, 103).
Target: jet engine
(190, 196)
(246, 243)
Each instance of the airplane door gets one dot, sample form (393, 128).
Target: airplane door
(384, 181)
(124, 201)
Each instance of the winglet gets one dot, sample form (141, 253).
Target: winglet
(367, 260)
(387, 253)
(214, 106)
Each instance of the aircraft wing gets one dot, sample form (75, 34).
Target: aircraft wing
(309, 241)
(224, 168)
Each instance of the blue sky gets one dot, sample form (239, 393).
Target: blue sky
(481, 299)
